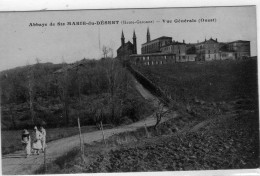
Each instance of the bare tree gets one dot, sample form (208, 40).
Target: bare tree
(105, 51)
(161, 112)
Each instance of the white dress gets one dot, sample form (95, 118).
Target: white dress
(37, 145)
(26, 140)
(43, 139)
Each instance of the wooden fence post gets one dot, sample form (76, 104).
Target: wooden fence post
(103, 132)
(45, 163)
(146, 130)
(81, 144)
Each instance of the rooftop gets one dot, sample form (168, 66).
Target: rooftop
(163, 37)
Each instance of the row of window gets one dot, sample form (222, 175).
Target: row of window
(154, 57)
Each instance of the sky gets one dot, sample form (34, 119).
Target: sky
(21, 44)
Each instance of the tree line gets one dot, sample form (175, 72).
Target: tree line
(57, 94)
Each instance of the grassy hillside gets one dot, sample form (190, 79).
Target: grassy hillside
(206, 88)
(220, 131)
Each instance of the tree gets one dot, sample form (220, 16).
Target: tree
(31, 83)
(63, 80)
(105, 51)
(8, 89)
(161, 112)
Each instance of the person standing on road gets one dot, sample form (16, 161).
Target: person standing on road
(26, 141)
(37, 145)
(43, 139)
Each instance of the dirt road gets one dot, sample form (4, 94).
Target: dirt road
(16, 163)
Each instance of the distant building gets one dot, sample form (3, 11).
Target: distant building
(177, 48)
(154, 46)
(241, 48)
(152, 59)
(127, 48)
(226, 53)
(163, 50)
(207, 50)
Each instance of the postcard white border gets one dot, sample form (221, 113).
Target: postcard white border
(35, 5)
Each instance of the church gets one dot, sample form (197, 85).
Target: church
(128, 48)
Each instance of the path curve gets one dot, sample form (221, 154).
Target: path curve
(16, 163)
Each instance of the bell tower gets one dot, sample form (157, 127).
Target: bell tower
(148, 35)
(134, 43)
(122, 39)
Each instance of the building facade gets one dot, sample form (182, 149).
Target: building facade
(152, 59)
(163, 50)
(241, 48)
(207, 50)
(154, 46)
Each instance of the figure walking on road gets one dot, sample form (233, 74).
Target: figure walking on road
(37, 145)
(26, 141)
(43, 138)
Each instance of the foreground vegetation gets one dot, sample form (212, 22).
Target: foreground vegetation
(227, 142)
(218, 125)
(56, 95)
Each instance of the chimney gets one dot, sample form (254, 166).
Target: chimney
(183, 41)
(197, 41)
(216, 39)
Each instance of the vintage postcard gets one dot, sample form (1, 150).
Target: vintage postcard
(129, 90)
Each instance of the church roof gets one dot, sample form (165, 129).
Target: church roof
(127, 45)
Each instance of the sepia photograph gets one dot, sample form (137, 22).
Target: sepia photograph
(129, 90)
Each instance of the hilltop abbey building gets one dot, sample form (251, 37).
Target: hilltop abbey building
(164, 50)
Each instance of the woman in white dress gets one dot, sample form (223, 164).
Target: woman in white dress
(43, 139)
(26, 141)
(37, 145)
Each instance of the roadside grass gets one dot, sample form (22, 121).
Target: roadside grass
(97, 153)
(226, 142)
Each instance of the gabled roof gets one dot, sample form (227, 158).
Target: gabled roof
(127, 45)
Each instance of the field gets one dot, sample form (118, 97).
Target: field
(207, 88)
(220, 131)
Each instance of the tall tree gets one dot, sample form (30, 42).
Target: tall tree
(63, 80)
(31, 83)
